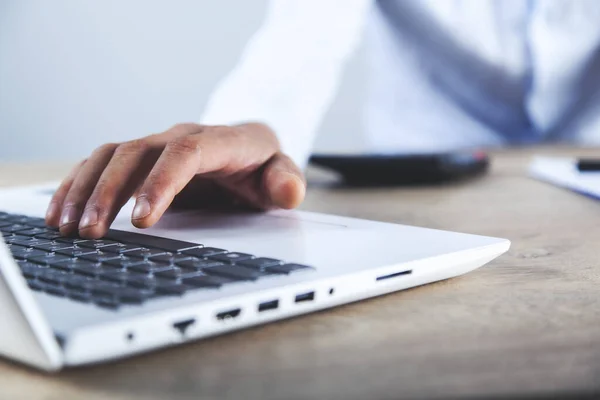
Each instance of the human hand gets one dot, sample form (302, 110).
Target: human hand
(189, 164)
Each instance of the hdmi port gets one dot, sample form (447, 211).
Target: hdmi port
(226, 315)
(268, 305)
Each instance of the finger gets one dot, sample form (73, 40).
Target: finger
(82, 188)
(54, 208)
(127, 169)
(218, 151)
(283, 182)
(279, 184)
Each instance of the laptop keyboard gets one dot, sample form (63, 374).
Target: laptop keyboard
(126, 268)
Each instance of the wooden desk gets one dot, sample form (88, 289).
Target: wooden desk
(528, 323)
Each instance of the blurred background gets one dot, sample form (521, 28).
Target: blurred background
(73, 76)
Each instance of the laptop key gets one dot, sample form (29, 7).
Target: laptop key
(35, 285)
(203, 252)
(23, 263)
(125, 294)
(170, 258)
(36, 223)
(76, 251)
(83, 297)
(30, 255)
(52, 276)
(259, 263)
(70, 264)
(48, 235)
(14, 219)
(103, 287)
(55, 290)
(18, 252)
(133, 296)
(196, 264)
(170, 288)
(206, 281)
(87, 269)
(30, 242)
(78, 282)
(235, 272)
(153, 242)
(97, 244)
(30, 270)
(123, 262)
(123, 277)
(113, 304)
(172, 273)
(65, 265)
(140, 281)
(288, 268)
(17, 239)
(148, 267)
(231, 257)
(33, 231)
(14, 228)
(48, 258)
(68, 239)
(17, 218)
(51, 246)
(121, 248)
(100, 256)
(145, 254)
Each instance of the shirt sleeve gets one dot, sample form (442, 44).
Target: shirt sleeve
(289, 72)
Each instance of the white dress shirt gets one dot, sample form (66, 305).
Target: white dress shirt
(443, 74)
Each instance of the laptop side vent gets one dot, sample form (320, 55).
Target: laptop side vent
(394, 275)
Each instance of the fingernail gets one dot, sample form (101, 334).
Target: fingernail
(68, 216)
(90, 218)
(141, 209)
(284, 192)
(51, 211)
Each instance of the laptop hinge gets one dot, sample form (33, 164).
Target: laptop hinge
(25, 334)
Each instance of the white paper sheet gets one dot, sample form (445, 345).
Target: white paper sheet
(563, 172)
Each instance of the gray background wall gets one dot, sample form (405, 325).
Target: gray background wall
(75, 74)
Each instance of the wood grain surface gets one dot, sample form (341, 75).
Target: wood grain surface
(528, 324)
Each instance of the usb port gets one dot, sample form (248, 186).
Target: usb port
(268, 305)
(310, 296)
(226, 315)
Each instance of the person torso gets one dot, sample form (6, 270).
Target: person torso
(447, 74)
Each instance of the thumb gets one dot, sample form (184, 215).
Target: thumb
(283, 182)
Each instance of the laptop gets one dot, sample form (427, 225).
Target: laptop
(67, 302)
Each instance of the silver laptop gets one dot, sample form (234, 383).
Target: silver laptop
(68, 302)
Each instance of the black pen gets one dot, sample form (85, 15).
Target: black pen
(588, 165)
